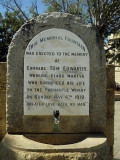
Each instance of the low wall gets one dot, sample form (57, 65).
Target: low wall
(117, 97)
(3, 70)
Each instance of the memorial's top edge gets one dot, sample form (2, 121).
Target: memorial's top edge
(57, 15)
(43, 22)
(48, 19)
(54, 17)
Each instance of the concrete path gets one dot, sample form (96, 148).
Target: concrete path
(117, 131)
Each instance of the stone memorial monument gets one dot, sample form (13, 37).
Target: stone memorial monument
(56, 92)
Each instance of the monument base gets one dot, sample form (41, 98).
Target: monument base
(18, 147)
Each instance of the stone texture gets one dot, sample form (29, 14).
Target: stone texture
(117, 131)
(110, 100)
(3, 70)
(110, 73)
(57, 139)
(117, 97)
(47, 126)
(96, 122)
(18, 148)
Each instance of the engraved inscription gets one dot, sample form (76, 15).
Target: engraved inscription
(56, 74)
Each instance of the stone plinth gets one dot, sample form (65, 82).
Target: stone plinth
(18, 147)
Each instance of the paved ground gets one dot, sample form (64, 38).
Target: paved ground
(117, 131)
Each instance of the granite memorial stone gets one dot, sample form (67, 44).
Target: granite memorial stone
(56, 92)
(56, 64)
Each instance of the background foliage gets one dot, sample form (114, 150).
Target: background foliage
(8, 27)
(102, 15)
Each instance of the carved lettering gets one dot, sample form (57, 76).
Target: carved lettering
(56, 74)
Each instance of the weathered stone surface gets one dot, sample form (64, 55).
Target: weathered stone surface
(117, 97)
(2, 126)
(57, 139)
(47, 124)
(109, 132)
(18, 148)
(3, 70)
(117, 131)
(96, 121)
(110, 100)
(2, 113)
(110, 73)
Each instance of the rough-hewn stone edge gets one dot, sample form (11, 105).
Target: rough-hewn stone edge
(97, 152)
(15, 64)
